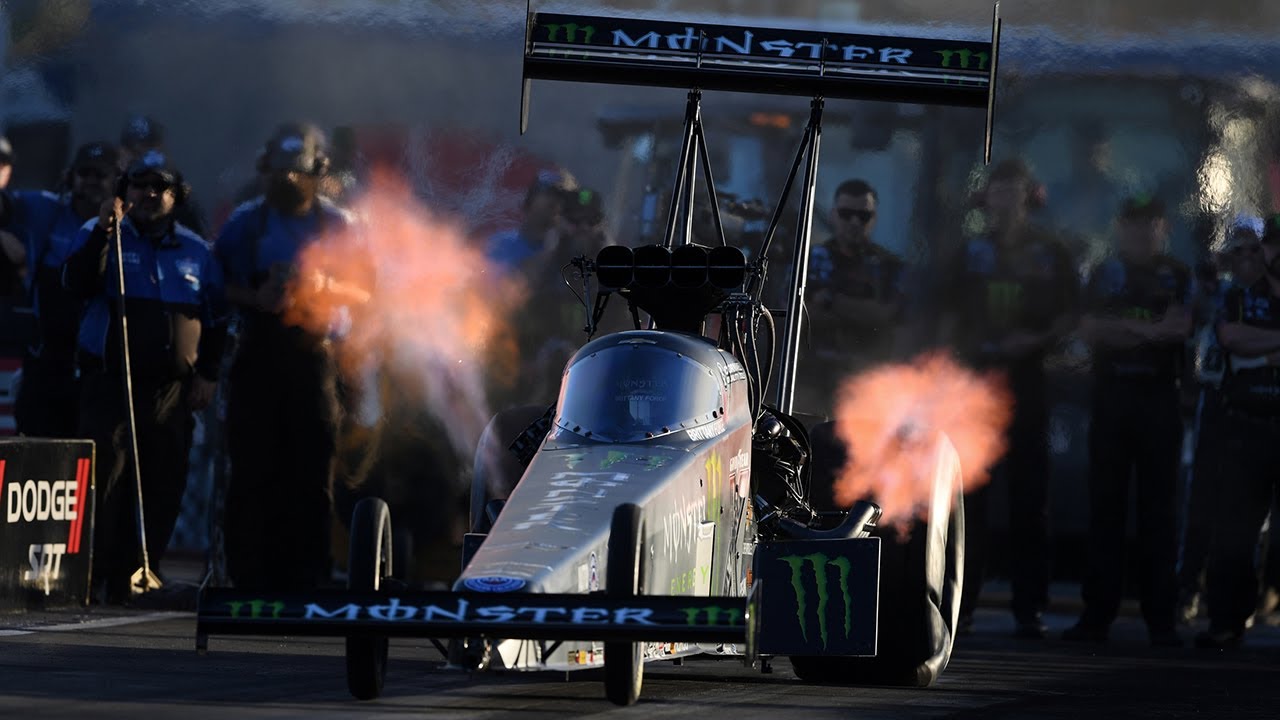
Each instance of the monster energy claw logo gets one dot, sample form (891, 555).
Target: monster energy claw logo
(255, 608)
(571, 33)
(713, 614)
(963, 59)
(819, 564)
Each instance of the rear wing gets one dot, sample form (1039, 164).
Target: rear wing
(630, 51)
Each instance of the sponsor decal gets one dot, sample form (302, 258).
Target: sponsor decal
(593, 578)
(740, 473)
(822, 581)
(687, 582)
(462, 610)
(41, 500)
(715, 485)
(711, 615)
(255, 609)
(494, 584)
(711, 430)
(1004, 300)
(569, 491)
(680, 526)
(46, 563)
(964, 59)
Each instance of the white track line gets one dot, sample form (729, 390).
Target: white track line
(95, 624)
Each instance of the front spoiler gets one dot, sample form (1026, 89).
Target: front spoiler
(514, 616)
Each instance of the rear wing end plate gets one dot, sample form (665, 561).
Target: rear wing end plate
(629, 51)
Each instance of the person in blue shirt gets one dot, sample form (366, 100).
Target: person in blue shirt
(48, 399)
(174, 304)
(1138, 323)
(540, 230)
(282, 407)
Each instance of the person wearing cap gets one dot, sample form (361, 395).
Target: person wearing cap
(1007, 297)
(540, 230)
(1248, 329)
(1137, 322)
(48, 399)
(282, 407)
(174, 304)
(1238, 263)
(143, 134)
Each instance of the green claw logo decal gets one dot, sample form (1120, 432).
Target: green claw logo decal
(819, 563)
(713, 614)
(255, 609)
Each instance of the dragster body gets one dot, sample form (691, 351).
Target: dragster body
(663, 507)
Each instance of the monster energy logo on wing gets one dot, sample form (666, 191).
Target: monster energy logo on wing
(255, 608)
(571, 31)
(819, 563)
(713, 615)
(964, 57)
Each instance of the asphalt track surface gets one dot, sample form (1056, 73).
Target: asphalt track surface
(135, 663)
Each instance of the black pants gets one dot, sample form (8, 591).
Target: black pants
(1202, 493)
(1025, 471)
(164, 425)
(1136, 433)
(281, 439)
(1250, 478)
(48, 402)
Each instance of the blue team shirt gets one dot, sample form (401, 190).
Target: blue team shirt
(510, 249)
(180, 274)
(47, 226)
(279, 238)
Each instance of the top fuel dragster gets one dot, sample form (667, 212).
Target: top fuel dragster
(662, 507)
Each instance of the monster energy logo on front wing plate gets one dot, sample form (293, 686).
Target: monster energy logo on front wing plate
(255, 609)
(711, 615)
(819, 562)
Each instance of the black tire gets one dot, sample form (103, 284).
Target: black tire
(368, 566)
(920, 587)
(496, 468)
(623, 661)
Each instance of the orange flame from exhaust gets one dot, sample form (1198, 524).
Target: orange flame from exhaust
(892, 419)
(404, 291)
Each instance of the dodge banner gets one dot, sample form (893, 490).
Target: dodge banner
(46, 533)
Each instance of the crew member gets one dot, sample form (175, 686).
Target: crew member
(1238, 265)
(1138, 322)
(174, 307)
(1007, 300)
(1249, 331)
(856, 295)
(48, 400)
(282, 407)
(143, 134)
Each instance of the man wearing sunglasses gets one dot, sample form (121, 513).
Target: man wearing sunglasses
(49, 397)
(856, 299)
(173, 300)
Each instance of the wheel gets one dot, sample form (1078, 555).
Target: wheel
(369, 565)
(496, 468)
(920, 581)
(623, 661)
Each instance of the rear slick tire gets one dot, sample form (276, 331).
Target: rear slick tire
(624, 661)
(368, 566)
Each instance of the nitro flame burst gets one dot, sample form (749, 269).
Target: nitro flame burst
(892, 420)
(405, 292)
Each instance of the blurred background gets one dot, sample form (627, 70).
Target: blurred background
(1103, 99)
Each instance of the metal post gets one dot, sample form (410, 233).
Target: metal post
(800, 262)
(691, 176)
(677, 192)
